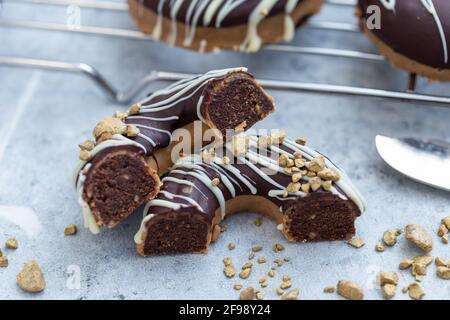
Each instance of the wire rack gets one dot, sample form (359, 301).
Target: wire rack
(127, 95)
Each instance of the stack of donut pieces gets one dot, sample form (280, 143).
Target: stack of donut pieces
(153, 154)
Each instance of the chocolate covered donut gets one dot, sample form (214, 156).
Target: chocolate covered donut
(208, 25)
(414, 35)
(120, 170)
(308, 196)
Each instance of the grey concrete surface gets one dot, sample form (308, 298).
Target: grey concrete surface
(45, 114)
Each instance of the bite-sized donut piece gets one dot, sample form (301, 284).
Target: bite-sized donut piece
(414, 35)
(303, 191)
(241, 25)
(120, 170)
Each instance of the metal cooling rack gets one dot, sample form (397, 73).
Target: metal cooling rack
(127, 95)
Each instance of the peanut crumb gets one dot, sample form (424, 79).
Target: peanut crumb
(258, 222)
(31, 278)
(70, 230)
(329, 174)
(379, 247)
(419, 236)
(271, 273)
(215, 182)
(446, 222)
(388, 290)
(443, 272)
(231, 246)
(301, 141)
(257, 248)
(247, 265)
(415, 291)
(12, 243)
(279, 291)
(316, 165)
(261, 260)
(349, 290)
(227, 261)
(405, 264)
(329, 289)
(259, 295)
(440, 262)
(87, 145)
(278, 262)
(251, 255)
(135, 109)
(237, 287)
(277, 247)
(287, 259)
(290, 295)
(111, 126)
(3, 261)
(315, 183)
(390, 237)
(386, 277)
(247, 294)
(244, 274)
(84, 155)
(356, 242)
(132, 130)
(229, 271)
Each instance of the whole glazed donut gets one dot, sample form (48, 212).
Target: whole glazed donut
(308, 196)
(209, 25)
(120, 170)
(413, 34)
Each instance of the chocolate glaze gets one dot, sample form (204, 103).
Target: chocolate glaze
(411, 30)
(187, 188)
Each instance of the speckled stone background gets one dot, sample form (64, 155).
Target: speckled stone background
(43, 115)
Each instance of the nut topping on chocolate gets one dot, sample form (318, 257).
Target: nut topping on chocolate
(109, 125)
(87, 145)
(135, 109)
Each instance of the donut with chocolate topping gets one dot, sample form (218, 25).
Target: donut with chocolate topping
(209, 25)
(303, 191)
(414, 35)
(120, 170)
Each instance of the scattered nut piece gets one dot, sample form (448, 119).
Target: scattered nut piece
(440, 262)
(247, 294)
(3, 261)
(278, 262)
(425, 260)
(390, 237)
(231, 246)
(12, 244)
(87, 145)
(329, 289)
(259, 295)
(415, 291)
(279, 291)
(257, 248)
(31, 278)
(329, 174)
(443, 272)
(379, 247)
(237, 287)
(258, 222)
(286, 284)
(132, 130)
(442, 230)
(418, 269)
(244, 274)
(70, 230)
(388, 278)
(135, 109)
(286, 278)
(277, 247)
(349, 290)
(388, 290)
(444, 238)
(251, 255)
(227, 261)
(287, 259)
(356, 242)
(109, 125)
(229, 271)
(290, 295)
(261, 260)
(405, 264)
(419, 236)
(300, 141)
(446, 222)
(271, 273)
(315, 183)
(84, 155)
(317, 164)
(247, 265)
